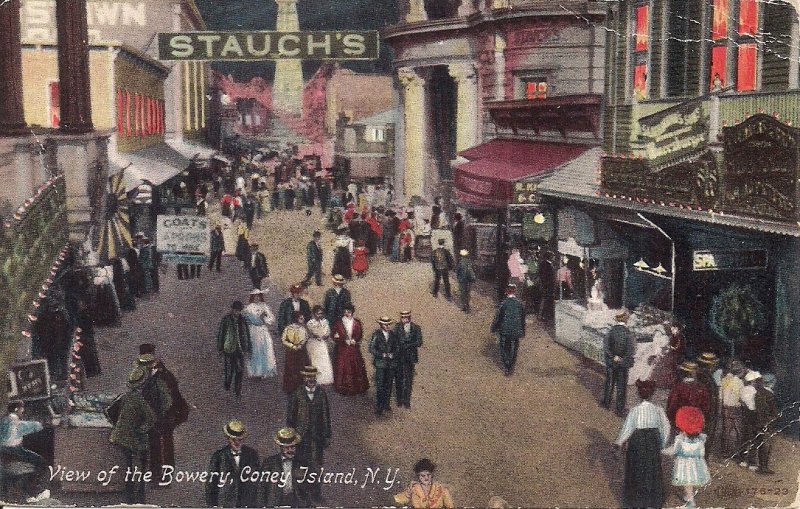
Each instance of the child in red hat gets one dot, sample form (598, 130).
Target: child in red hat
(689, 469)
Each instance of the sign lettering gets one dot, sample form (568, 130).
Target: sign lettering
(264, 45)
(30, 381)
(187, 234)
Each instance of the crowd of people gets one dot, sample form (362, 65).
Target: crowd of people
(727, 411)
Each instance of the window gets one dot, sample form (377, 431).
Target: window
(718, 76)
(376, 134)
(747, 53)
(127, 113)
(535, 88)
(641, 47)
(55, 109)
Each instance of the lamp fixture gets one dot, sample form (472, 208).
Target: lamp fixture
(660, 269)
(641, 264)
(539, 218)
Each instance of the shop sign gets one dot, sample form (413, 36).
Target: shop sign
(476, 186)
(705, 260)
(186, 234)
(525, 193)
(330, 45)
(29, 381)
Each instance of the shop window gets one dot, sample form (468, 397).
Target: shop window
(55, 108)
(535, 88)
(746, 68)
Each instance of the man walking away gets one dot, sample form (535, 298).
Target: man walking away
(442, 262)
(465, 274)
(233, 342)
(314, 260)
(509, 324)
(619, 348)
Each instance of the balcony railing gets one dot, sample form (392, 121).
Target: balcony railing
(785, 106)
(30, 242)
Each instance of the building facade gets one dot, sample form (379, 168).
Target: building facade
(469, 72)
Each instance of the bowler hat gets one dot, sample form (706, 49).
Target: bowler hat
(296, 289)
(287, 436)
(464, 252)
(235, 429)
(752, 375)
(237, 305)
(147, 348)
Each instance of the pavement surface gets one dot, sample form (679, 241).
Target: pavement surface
(538, 438)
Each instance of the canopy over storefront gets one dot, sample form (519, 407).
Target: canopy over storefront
(487, 179)
(155, 165)
(191, 150)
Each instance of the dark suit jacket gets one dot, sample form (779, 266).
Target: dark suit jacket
(334, 304)
(310, 417)
(619, 343)
(286, 312)
(217, 241)
(273, 494)
(260, 268)
(441, 259)
(235, 493)
(378, 345)
(409, 343)
(510, 318)
(313, 255)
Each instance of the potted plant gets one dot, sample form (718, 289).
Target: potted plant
(737, 315)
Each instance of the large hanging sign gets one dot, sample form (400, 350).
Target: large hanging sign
(238, 46)
(183, 239)
(29, 381)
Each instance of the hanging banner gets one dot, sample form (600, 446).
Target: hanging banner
(183, 234)
(238, 46)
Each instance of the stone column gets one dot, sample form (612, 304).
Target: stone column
(499, 67)
(73, 67)
(468, 105)
(465, 8)
(416, 11)
(794, 56)
(12, 114)
(415, 122)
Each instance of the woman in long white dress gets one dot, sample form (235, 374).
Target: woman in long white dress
(229, 234)
(317, 346)
(261, 363)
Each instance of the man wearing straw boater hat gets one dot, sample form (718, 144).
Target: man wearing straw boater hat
(385, 349)
(465, 275)
(688, 392)
(759, 411)
(708, 365)
(618, 347)
(509, 325)
(133, 419)
(409, 334)
(286, 492)
(225, 487)
(336, 299)
(310, 415)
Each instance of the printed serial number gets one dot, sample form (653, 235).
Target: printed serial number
(732, 492)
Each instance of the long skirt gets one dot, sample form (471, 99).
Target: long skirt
(296, 360)
(643, 476)
(342, 263)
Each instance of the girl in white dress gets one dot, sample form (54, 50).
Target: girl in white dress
(689, 469)
(261, 363)
(317, 347)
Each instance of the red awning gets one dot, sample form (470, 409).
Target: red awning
(487, 179)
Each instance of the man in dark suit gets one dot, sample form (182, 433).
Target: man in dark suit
(289, 306)
(410, 336)
(309, 414)
(233, 342)
(324, 193)
(385, 349)
(442, 262)
(314, 259)
(229, 463)
(217, 247)
(458, 233)
(509, 324)
(287, 491)
(171, 411)
(336, 299)
(619, 347)
(257, 266)
(135, 277)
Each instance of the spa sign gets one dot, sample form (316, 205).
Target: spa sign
(263, 45)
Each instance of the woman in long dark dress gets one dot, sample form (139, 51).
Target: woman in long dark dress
(294, 340)
(349, 369)
(343, 256)
(126, 300)
(646, 431)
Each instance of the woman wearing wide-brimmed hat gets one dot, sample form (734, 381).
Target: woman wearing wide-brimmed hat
(646, 431)
(689, 469)
(261, 363)
(425, 492)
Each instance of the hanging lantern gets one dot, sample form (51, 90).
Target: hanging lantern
(660, 269)
(641, 264)
(539, 218)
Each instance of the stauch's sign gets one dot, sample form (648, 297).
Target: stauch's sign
(332, 45)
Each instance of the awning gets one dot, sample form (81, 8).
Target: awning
(155, 164)
(487, 179)
(191, 150)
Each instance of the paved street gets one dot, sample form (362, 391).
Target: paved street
(538, 438)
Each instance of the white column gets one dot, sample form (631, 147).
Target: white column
(465, 8)
(416, 11)
(196, 93)
(187, 96)
(499, 67)
(203, 95)
(415, 126)
(468, 105)
(794, 57)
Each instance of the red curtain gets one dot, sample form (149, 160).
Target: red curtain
(746, 68)
(719, 26)
(719, 64)
(127, 113)
(748, 17)
(55, 105)
(642, 28)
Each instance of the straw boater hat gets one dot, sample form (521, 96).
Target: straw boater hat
(287, 436)
(146, 358)
(511, 288)
(621, 317)
(708, 358)
(752, 375)
(688, 367)
(464, 252)
(309, 372)
(385, 320)
(256, 291)
(338, 279)
(405, 314)
(296, 289)
(235, 429)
